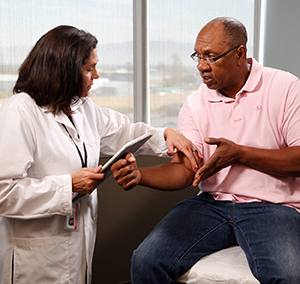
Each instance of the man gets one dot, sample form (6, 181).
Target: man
(245, 121)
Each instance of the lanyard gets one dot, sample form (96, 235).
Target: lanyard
(83, 161)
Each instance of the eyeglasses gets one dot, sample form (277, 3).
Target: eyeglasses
(209, 59)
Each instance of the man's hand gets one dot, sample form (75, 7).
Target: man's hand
(126, 172)
(86, 180)
(176, 140)
(226, 154)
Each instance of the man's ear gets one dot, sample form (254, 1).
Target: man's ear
(241, 54)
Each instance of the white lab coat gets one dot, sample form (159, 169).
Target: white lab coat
(36, 159)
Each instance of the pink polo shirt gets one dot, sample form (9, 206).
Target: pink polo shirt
(264, 114)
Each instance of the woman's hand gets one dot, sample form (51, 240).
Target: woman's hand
(86, 180)
(126, 172)
(176, 140)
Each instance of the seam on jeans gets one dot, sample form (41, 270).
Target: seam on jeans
(232, 212)
(196, 242)
(249, 247)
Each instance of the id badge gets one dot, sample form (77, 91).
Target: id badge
(72, 220)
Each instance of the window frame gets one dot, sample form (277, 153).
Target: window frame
(141, 86)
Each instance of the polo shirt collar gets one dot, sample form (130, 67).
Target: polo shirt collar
(250, 85)
(254, 76)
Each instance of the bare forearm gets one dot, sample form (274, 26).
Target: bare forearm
(283, 162)
(168, 176)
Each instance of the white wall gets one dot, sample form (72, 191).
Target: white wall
(282, 35)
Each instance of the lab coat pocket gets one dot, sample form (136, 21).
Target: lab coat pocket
(46, 260)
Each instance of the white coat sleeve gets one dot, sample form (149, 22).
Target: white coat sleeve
(22, 196)
(117, 130)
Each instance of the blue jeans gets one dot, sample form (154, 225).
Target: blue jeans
(269, 234)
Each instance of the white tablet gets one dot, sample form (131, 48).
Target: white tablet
(130, 147)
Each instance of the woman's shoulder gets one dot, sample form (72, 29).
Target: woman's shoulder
(19, 102)
(90, 107)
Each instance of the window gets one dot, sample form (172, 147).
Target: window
(110, 21)
(172, 29)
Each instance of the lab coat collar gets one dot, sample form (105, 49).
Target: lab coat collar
(63, 119)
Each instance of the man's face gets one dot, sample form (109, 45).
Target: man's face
(211, 41)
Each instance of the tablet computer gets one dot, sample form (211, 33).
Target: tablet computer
(130, 147)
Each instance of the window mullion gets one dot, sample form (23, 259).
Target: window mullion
(141, 61)
(257, 29)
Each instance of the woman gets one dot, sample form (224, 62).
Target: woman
(51, 137)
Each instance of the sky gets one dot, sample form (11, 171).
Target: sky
(27, 20)
(111, 20)
(23, 22)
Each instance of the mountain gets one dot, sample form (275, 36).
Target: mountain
(119, 54)
(159, 52)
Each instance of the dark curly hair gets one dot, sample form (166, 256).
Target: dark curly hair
(52, 72)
